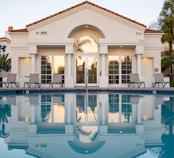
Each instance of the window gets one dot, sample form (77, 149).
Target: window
(113, 69)
(51, 65)
(86, 44)
(46, 69)
(119, 69)
(126, 68)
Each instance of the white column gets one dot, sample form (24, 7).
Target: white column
(33, 63)
(139, 64)
(69, 113)
(139, 124)
(103, 105)
(103, 112)
(69, 110)
(139, 115)
(33, 114)
(139, 51)
(103, 65)
(68, 78)
(69, 65)
(33, 53)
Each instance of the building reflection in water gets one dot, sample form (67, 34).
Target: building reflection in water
(97, 124)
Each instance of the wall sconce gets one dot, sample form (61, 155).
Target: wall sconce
(156, 69)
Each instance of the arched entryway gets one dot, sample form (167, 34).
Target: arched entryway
(86, 55)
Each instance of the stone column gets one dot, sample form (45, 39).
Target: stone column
(33, 63)
(103, 78)
(33, 53)
(139, 125)
(33, 117)
(103, 112)
(139, 52)
(69, 113)
(68, 78)
(139, 64)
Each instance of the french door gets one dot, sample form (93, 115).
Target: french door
(86, 70)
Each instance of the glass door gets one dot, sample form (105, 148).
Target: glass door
(86, 70)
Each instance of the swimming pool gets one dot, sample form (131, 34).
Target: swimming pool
(87, 124)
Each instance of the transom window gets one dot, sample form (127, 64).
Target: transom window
(86, 44)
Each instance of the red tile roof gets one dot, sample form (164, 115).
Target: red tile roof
(153, 31)
(19, 30)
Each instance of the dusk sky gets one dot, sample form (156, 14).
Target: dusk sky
(19, 13)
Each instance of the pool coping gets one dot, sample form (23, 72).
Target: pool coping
(7, 91)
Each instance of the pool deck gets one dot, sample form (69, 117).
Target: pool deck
(21, 90)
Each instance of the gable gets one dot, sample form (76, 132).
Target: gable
(78, 8)
(112, 25)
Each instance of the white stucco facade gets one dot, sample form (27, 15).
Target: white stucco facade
(122, 46)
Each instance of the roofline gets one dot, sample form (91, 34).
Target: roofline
(80, 4)
(153, 31)
(19, 30)
(5, 39)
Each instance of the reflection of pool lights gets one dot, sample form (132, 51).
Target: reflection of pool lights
(145, 118)
(86, 151)
(27, 118)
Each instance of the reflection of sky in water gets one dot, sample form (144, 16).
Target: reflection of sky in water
(5, 153)
(80, 129)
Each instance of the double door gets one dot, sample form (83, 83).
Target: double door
(86, 70)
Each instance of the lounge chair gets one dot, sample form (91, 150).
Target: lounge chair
(159, 79)
(56, 79)
(11, 79)
(33, 79)
(134, 80)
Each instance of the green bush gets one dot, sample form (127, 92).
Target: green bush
(172, 83)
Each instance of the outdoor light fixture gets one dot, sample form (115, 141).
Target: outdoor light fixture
(2, 47)
(156, 69)
(41, 32)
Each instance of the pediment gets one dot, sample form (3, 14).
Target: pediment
(84, 13)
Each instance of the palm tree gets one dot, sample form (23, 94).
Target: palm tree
(5, 62)
(5, 112)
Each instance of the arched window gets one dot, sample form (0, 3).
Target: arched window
(86, 44)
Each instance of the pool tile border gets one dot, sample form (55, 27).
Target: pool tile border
(18, 91)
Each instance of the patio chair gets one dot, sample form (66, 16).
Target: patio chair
(33, 79)
(134, 80)
(11, 79)
(159, 79)
(56, 79)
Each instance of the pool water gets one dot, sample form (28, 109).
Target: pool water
(92, 125)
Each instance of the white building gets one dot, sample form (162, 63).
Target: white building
(87, 43)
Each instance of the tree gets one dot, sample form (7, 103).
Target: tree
(5, 112)
(5, 62)
(166, 21)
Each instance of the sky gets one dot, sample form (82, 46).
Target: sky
(19, 13)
